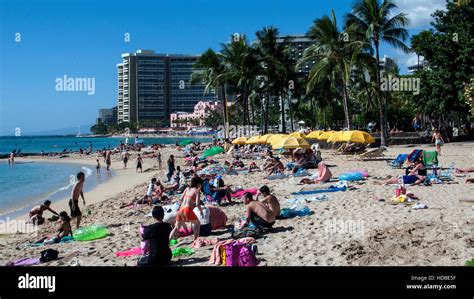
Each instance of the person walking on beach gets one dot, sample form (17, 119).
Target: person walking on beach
(74, 200)
(438, 140)
(171, 167)
(158, 158)
(139, 163)
(97, 167)
(191, 199)
(125, 159)
(108, 160)
(416, 123)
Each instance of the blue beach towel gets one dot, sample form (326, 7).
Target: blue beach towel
(330, 189)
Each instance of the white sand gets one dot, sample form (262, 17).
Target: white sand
(375, 233)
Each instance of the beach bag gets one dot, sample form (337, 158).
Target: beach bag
(144, 244)
(222, 255)
(49, 255)
(232, 251)
(247, 257)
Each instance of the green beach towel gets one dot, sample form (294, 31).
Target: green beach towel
(430, 158)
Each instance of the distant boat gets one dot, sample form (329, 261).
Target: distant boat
(79, 135)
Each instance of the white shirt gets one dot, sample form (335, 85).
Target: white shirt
(205, 212)
(150, 189)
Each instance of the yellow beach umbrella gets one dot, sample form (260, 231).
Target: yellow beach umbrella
(264, 139)
(240, 140)
(314, 135)
(325, 135)
(298, 134)
(335, 137)
(275, 138)
(357, 137)
(291, 142)
(252, 140)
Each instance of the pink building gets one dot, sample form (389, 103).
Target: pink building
(195, 119)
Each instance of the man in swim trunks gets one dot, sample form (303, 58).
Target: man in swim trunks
(74, 201)
(36, 214)
(191, 198)
(269, 200)
(257, 213)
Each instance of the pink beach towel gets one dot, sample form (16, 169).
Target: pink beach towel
(217, 217)
(130, 252)
(241, 193)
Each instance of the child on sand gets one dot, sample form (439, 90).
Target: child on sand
(97, 167)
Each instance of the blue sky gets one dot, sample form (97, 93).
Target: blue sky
(86, 38)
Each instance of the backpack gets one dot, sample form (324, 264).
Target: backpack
(49, 255)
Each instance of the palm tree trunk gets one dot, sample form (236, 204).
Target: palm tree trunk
(381, 109)
(267, 105)
(283, 122)
(346, 106)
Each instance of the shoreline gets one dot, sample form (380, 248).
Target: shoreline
(119, 182)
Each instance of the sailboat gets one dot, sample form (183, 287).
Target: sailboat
(79, 135)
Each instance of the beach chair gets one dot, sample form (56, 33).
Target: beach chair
(447, 175)
(210, 196)
(373, 153)
(430, 158)
(399, 160)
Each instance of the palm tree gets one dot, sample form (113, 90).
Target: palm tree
(334, 55)
(241, 69)
(376, 20)
(275, 67)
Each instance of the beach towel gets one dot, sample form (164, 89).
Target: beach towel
(330, 189)
(200, 242)
(320, 197)
(287, 213)
(24, 262)
(241, 193)
(130, 252)
(277, 176)
(217, 217)
(430, 158)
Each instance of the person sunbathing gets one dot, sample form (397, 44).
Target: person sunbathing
(257, 213)
(269, 200)
(465, 170)
(323, 175)
(274, 167)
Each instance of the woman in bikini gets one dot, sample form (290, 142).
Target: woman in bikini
(190, 199)
(438, 139)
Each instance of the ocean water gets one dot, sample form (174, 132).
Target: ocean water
(27, 184)
(50, 144)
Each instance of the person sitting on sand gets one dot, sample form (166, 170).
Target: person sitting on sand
(190, 199)
(257, 213)
(217, 184)
(465, 170)
(36, 214)
(418, 168)
(269, 200)
(64, 226)
(323, 175)
(158, 236)
(74, 200)
(277, 168)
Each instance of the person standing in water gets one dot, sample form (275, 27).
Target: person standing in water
(139, 163)
(74, 201)
(97, 167)
(108, 160)
(125, 159)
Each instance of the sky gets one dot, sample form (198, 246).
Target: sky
(41, 41)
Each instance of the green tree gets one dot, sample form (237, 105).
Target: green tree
(377, 21)
(99, 128)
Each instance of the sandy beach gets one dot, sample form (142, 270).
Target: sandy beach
(349, 228)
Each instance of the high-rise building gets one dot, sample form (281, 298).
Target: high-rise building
(151, 86)
(107, 116)
(297, 44)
